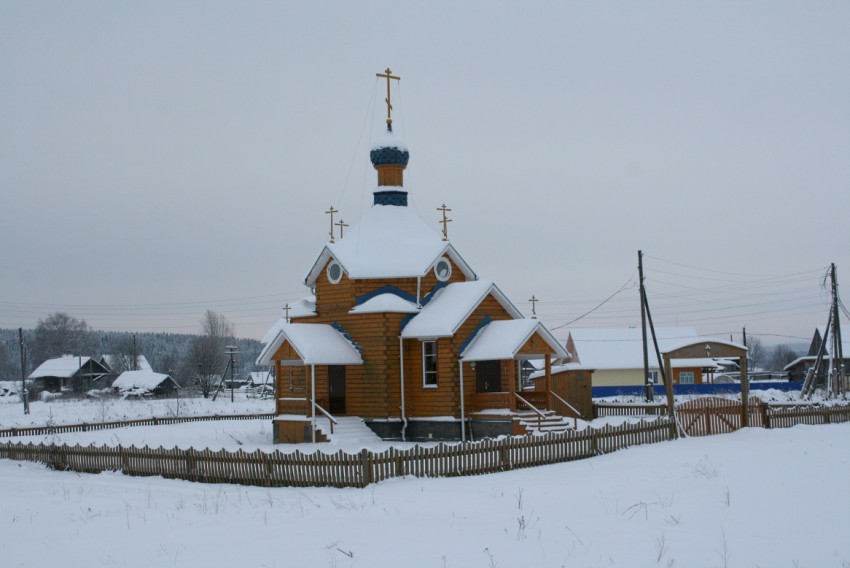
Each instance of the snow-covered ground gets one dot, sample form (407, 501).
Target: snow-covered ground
(769, 498)
(109, 409)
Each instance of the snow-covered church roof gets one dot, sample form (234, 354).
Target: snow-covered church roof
(451, 306)
(388, 242)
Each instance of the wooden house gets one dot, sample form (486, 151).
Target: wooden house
(616, 355)
(400, 330)
(145, 383)
(69, 373)
(798, 368)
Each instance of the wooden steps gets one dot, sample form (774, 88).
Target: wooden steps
(550, 422)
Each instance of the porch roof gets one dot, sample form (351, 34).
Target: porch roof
(314, 343)
(504, 338)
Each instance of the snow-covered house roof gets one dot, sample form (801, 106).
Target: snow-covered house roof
(388, 242)
(622, 348)
(451, 306)
(563, 367)
(259, 378)
(704, 362)
(315, 344)
(63, 367)
(504, 338)
(113, 362)
(845, 352)
(143, 380)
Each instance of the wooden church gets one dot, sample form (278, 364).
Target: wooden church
(400, 331)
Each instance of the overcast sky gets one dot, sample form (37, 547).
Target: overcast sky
(161, 158)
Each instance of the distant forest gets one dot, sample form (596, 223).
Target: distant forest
(166, 352)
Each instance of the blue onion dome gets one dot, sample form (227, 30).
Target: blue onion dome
(389, 150)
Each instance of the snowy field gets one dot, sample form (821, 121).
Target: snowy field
(755, 498)
(77, 411)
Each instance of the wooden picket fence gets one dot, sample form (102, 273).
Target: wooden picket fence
(153, 421)
(785, 416)
(341, 469)
(602, 409)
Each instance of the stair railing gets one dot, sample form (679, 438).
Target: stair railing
(331, 419)
(539, 414)
(571, 407)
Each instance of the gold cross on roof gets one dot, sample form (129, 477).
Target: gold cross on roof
(388, 74)
(341, 224)
(331, 211)
(445, 221)
(533, 301)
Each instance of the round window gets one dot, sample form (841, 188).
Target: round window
(334, 272)
(443, 269)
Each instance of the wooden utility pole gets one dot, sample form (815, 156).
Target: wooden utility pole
(24, 393)
(837, 366)
(648, 394)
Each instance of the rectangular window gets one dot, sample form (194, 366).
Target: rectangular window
(429, 363)
(686, 377)
(653, 377)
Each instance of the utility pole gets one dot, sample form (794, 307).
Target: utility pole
(744, 338)
(648, 394)
(231, 350)
(24, 393)
(135, 355)
(837, 366)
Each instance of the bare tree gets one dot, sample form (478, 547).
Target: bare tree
(755, 352)
(781, 356)
(60, 334)
(207, 350)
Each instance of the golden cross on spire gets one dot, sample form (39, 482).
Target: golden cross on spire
(341, 224)
(533, 301)
(388, 74)
(286, 309)
(331, 211)
(445, 222)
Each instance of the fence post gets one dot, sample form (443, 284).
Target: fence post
(365, 467)
(594, 443)
(765, 416)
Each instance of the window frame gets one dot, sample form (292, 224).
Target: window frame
(692, 377)
(429, 364)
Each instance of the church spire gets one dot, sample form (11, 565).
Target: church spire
(389, 156)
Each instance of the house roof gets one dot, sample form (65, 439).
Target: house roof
(504, 338)
(704, 362)
(257, 378)
(315, 344)
(622, 348)
(112, 361)
(147, 380)
(383, 303)
(64, 367)
(388, 242)
(451, 306)
(563, 367)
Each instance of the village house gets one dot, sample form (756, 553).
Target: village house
(798, 368)
(69, 372)
(616, 355)
(400, 331)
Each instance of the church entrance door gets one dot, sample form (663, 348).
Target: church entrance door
(336, 389)
(488, 376)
